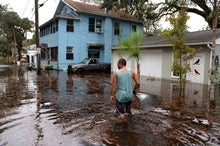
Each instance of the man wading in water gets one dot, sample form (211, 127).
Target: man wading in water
(122, 88)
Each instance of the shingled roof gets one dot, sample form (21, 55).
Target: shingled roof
(96, 10)
(192, 38)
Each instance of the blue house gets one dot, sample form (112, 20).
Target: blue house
(79, 30)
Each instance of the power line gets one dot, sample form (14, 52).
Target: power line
(31, 14)
(42, 4)
(32, 10)
(25, 8)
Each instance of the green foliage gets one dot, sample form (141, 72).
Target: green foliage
(182, 53)
(49, 67)
(12, 29)
(144, 10)
(151, 11)
(203, 8)
(132, 44)
(134, 7)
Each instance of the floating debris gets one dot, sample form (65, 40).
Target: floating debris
(160, 110)
(201, 121)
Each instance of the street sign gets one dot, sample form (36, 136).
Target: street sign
(38, 50)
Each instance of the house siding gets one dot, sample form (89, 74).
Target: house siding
(50, 40)
(207, 65)
(200, 67)
(166, 63)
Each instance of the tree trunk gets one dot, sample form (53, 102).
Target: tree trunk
(15, 44)
(214, 26)
(138, 71)
(213, 68)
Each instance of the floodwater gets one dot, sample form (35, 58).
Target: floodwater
(55, 108)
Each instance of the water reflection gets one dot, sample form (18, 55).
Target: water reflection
(55, 108)
(14, 88)
(194, 118)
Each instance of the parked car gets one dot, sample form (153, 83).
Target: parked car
(88, 65)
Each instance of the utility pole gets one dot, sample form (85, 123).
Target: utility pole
(37, 37)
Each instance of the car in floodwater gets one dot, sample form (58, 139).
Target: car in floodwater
(88, 65)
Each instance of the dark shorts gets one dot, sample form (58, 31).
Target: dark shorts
(123, 107)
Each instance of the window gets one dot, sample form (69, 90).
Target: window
(133, 28)
(93, 53)
(49, 28)
(69, 53)
(55, 26)
(43, 53)
(95, 25)
(54, 53)
(91, 24)
(116, 28)
(69, 25)
(98, 25)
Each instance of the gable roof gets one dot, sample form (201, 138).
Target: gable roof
(192, 38)
(96, 10)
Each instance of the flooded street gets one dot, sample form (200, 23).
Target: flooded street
(55, 108)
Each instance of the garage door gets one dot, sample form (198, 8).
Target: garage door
(151, 63)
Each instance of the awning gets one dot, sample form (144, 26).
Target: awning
(94, 44)
(43, 46)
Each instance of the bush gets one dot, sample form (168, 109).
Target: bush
(49, 67)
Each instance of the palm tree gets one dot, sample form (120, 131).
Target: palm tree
(132, 44)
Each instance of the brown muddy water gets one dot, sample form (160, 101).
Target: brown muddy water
(55, 108)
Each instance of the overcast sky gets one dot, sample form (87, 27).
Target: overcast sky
(25, 8)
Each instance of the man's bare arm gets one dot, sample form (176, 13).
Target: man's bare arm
(136, 80)
(113, 87)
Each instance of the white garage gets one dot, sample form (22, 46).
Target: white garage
(156, 56)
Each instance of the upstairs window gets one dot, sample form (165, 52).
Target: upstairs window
(69, 25)
(116, 28)
(55, 26)
(49, 28)
(98, 25)
(69, 53)
(91, 24)
(95, 25)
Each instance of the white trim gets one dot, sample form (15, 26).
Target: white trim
(169, 45)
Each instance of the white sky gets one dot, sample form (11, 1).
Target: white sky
(25, 8)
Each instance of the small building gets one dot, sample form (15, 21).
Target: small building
(79, 30)
(31, 56)
(157, 55)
